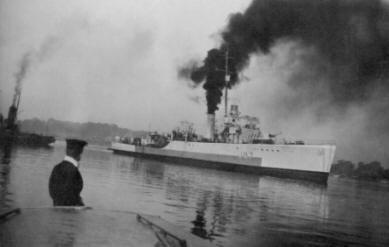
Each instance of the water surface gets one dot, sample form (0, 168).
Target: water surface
(229, 209)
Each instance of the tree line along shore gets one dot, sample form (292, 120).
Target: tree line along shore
(365, 171)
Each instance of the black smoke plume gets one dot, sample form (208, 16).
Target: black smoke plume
(20, 75)
(29, 59)
(217, 65)
(349, 39)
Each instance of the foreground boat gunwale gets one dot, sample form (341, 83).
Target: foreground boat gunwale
(18, 226)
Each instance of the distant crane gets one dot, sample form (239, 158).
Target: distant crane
(10, 130)
(13, 110)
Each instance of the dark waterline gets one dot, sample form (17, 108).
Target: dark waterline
(230, 209)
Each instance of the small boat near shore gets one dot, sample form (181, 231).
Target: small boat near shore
(11, 135)
(28, 140)
(25, 139)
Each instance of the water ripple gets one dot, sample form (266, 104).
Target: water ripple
(229, 209)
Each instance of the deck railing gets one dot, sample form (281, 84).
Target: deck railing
(305, 142)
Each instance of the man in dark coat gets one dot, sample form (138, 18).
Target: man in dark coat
(65, 182)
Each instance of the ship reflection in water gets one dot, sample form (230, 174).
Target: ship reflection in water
(229, 209)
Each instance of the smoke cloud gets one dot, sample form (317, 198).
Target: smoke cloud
(34, 57)
(339, 57)
(21, 74)
(27, 60)
(349, 42)
(216, 67)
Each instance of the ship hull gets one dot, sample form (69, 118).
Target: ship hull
(26, 139)
(311, 163)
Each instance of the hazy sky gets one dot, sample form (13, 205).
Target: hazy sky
(116, 62)
(108, 61)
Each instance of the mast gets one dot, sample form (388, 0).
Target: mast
(227, 79)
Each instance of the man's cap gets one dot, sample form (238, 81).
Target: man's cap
(75, 143)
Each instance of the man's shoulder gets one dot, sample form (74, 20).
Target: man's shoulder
(65, 165)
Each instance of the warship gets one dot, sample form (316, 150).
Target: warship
(241, 146)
